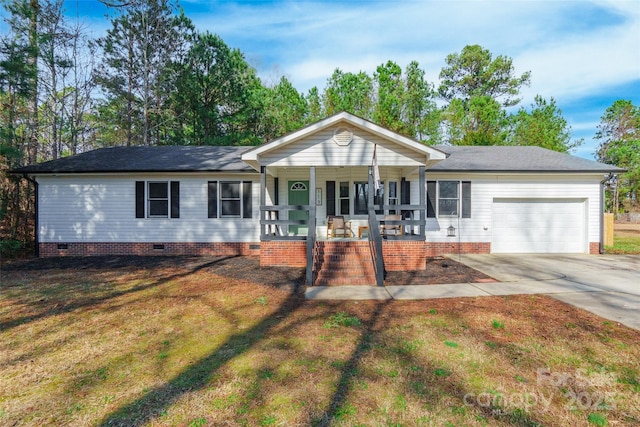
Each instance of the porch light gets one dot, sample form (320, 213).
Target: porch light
(451, 231)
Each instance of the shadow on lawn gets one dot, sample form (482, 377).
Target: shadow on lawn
(428, 382)
(70, 301)
(350, 370)
(200, 373)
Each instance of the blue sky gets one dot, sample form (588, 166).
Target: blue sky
(585, 54)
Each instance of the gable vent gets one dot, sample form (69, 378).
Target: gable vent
(342, 136)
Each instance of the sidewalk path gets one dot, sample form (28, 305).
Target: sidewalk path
(608, 286)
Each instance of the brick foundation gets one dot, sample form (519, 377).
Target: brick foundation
(411, 255)
(159, 248)
(404, 255)
(441, 248)
(283, 253)
(399, 255)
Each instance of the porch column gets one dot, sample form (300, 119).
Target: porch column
(311, 234)
(263, 199)
(422, 190)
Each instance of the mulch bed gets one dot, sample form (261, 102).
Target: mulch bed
(439, 270)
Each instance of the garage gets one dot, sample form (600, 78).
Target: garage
(539, 226)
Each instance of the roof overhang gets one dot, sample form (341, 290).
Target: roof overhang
(429, 154)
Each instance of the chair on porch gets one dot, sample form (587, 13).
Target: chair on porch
(337, 225)
(391, 230)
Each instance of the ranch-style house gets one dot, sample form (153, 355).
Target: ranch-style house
(342, 182)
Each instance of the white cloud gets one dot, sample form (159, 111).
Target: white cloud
(576, 50)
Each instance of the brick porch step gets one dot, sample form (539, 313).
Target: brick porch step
(343, 263)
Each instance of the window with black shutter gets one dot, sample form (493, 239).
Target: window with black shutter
(449, 199)
(247, 211)
(466, 199)
(157, 199)
(230, 199)
(331, 198)
(139, 199)
(431, 199)
(212, 197)
(175, 199)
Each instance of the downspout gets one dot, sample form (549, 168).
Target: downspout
(602, 185)
(36, 238)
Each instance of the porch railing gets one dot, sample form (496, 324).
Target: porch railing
(274, 228)
(408, 226)
(375, 246)
(271, 228)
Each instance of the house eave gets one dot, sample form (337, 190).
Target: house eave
(527, 172)
(132, 171)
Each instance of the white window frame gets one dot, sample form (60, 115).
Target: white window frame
(229, 199)
(393, 200)
(457, 199)
(341, 197)
(166, 200)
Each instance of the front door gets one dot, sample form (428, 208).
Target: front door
(298, 195)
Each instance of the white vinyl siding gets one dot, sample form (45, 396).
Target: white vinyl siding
(320, 150)
(486, 187)
(102, 209)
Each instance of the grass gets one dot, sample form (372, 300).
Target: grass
(626, 240)
(624, 245)
(194, 347)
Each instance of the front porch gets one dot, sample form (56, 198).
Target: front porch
(347, 167)
(297, 234)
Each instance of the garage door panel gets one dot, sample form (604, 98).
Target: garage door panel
(538, 226)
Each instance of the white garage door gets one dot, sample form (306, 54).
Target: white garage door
(538, 226)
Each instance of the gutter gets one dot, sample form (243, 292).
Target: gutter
(36, 234)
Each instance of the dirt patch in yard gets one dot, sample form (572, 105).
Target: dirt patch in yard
(439, 270)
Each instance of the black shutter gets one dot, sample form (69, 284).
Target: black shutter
(466, 199)
(139, 199)
(431, 199)
(405, 197)
(213, 199)
(331, 198)
(276, 195)
(175, 199)
(247, 200)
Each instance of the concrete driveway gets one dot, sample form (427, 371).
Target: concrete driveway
(607, 285)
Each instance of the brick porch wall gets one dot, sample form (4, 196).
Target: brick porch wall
(404, 255)
(398, 255)
(411, 255)
(104, 248)
(441, 248)
(283, 253)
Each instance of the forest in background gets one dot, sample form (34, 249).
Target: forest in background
(154, 79)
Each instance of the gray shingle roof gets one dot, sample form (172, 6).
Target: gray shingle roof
(148, 159)
(228, 159)
(514, 159)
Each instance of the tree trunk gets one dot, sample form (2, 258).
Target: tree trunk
(32, 62)
(130, 91)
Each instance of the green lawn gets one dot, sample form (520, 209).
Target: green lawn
(624, 245)
(195, 344)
